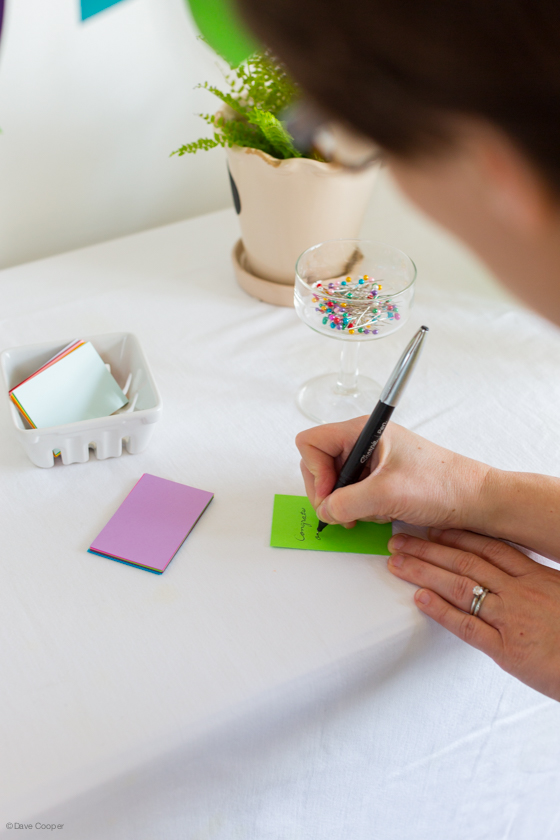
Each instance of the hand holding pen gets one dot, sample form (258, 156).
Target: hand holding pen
(369, 438)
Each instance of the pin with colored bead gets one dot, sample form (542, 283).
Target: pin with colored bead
(354, 306)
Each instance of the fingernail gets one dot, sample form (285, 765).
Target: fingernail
(396, 560)
(397, 542)
(423, 596)
(435, 532)
(323, 512)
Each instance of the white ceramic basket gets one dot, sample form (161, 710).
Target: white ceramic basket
(105, 435)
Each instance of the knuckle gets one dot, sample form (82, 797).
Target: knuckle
(495, 549)
(452, 537)
(419, 548)
(464, 563)
(338, 509)
(460, 589)
(500, 618)
(416, 569)
(467, 628)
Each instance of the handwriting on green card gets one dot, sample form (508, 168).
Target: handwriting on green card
(294, 525)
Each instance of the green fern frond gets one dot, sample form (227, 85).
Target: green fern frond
(259, 90)
(275, 133)
(204, 143)
(226, 98)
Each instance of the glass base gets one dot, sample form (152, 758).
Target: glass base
(324, 401)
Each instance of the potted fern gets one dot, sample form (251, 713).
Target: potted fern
(286, 200)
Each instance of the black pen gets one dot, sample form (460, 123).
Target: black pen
(365, 445)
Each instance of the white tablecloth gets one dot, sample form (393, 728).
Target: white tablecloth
(252, 692)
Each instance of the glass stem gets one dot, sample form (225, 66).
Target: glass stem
(347, 382)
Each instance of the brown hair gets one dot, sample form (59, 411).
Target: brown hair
(398, 69)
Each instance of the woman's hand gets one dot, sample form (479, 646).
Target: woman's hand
(408, 478)
(519, 620)
(412, 479)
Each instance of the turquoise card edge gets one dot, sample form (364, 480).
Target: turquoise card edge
(125, 563)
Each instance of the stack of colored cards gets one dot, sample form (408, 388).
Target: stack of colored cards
(152, 523)
(73, 385)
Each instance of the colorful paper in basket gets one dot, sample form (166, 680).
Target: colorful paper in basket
(68, 349)
(294, 525)
(74, 385)
(152, 523)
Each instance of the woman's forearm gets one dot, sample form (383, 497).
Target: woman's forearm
(521, 507)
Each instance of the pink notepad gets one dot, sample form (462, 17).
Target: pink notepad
(152, 523)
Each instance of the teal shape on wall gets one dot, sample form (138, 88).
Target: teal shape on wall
(89, 8)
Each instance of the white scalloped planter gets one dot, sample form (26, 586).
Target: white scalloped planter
(284, 207)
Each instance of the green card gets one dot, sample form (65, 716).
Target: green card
(294, 525)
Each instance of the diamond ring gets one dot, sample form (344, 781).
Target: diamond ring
(479, 594)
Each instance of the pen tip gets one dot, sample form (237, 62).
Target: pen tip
(320, 526)
(425, 329)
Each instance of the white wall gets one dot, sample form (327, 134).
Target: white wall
(89, 114)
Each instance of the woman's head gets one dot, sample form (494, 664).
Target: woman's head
(464, 97)
(398, 69)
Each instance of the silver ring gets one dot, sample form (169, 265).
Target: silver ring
(479, 593)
